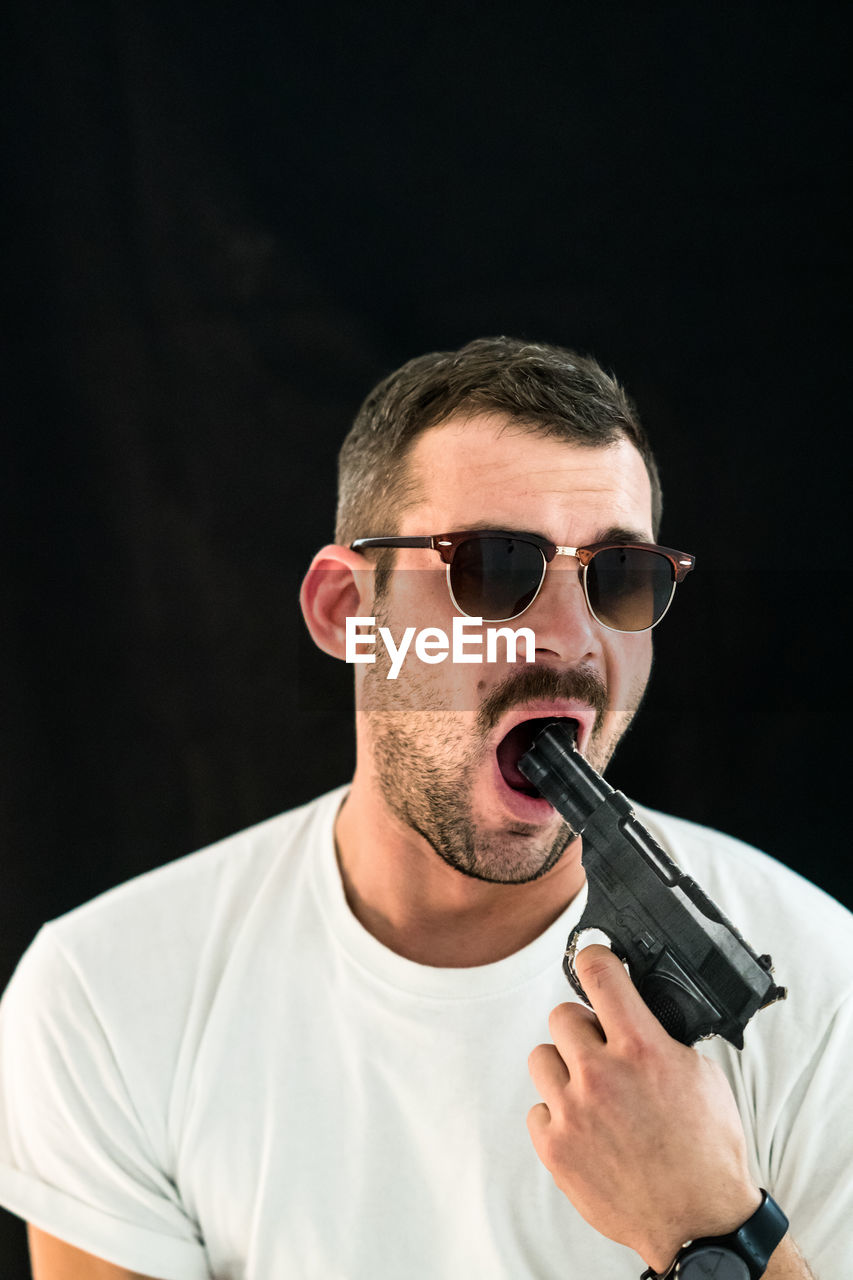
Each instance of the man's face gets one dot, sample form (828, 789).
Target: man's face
(441, 742)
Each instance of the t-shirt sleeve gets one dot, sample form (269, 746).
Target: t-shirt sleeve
(811, 1152)
(75, 1159)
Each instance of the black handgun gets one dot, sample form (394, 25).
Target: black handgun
(688, 962)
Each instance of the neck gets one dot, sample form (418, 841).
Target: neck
(415, 904)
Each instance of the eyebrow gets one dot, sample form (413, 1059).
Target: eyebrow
(619, 533)
(613, 533)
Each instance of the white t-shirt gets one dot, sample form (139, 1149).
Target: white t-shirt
(214, 1070)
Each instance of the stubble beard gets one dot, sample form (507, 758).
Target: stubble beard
(425, 788)
(423, 758)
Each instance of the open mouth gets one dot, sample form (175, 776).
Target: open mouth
(517, 743)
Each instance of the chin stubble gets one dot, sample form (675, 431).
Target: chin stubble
(423, 758)
(432, 800)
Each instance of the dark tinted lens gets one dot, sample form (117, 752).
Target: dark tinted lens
(629, 589)
(495, 578)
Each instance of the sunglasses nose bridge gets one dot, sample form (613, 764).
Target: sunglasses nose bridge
(555, 580)
(584, 558)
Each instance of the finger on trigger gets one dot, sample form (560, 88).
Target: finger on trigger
(613, 996)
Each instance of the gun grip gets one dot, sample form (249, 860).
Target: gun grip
(680, 1007)
(684, 1012)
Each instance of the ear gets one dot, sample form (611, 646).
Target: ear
(337, 586)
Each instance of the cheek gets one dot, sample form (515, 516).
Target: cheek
(445, 686)
(630, 664)
(417, 598)
(417, 674)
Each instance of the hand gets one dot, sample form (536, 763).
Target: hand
(640, 1132)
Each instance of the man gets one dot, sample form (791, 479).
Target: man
(303, 1052)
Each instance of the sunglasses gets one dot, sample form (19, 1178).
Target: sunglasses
(495, 575)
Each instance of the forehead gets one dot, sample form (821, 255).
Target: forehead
(487, 468)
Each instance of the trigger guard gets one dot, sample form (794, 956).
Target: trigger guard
(571, 951)
(569, 968)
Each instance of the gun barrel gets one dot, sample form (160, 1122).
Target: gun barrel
(559, 772)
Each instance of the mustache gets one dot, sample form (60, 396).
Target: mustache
(535, 682)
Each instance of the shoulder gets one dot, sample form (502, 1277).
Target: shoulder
(158, 942)
(207, 888)
(740, 868)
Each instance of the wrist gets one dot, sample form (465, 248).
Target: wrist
(716, 1220)
(741, 1254)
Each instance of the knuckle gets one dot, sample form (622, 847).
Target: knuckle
(596, 970)
(595, 1080)
(534, 1056)
(537, 1118)
(634, 1046)
(557, 1019)
(569, 1016)
(562, 1116)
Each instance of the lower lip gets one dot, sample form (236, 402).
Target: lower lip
(527, 808)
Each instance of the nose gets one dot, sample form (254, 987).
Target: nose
(560, 618)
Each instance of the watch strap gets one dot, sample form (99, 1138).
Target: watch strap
(754, 1242)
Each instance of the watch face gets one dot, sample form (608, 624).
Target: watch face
(711, 1262)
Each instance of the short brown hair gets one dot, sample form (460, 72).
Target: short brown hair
(550, 390)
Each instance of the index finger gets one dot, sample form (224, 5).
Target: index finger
(618, 1004)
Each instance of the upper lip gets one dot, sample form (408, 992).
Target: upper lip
(541, 709)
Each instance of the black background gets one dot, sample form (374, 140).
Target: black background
(225, 223)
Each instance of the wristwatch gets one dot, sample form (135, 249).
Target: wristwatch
(742, 1255)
